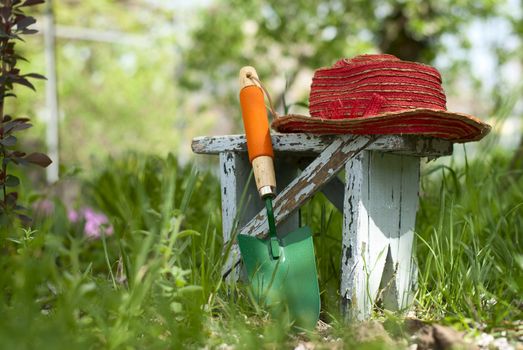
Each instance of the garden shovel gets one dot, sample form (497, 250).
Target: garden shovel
(281, 268)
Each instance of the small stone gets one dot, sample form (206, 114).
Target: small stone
(425, 338)
(413, 324)
(304, 346)
(483, 340)
(372, 331)
(502, 344)
(322, 326)
(448, 338)
(441, 338)
(224, 346)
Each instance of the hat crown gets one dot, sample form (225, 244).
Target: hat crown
(368, 85)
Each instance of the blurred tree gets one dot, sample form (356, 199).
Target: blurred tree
(286, 38)
(149, 84)
(115, 67)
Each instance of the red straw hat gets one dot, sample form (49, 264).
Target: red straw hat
(381, 94)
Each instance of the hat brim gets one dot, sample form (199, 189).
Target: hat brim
(456, 127)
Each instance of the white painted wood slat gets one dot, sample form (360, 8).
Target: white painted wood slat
(379, 218)
(230, 198)
(353, 288)
(313, 144)
(403, 256)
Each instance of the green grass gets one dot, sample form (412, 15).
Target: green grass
(156, 282)
(470, 245)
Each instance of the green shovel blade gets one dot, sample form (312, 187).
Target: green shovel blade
(287, 285)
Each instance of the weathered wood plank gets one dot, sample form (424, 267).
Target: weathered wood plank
(314, 144)
(379, 216)
(229, 177)
(397, 280)
(402, 247)
(353, 289)
(385, 218)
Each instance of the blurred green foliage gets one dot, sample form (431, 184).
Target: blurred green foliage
(170, 74)
(113, 96)
(288, 41)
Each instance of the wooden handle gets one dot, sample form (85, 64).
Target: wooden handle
(256, 123)
(245, 81)
(263, 167)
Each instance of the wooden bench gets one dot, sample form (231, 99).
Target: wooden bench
(378, 199)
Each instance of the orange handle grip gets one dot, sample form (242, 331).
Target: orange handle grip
(256, 123)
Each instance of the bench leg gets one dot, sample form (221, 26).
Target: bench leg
(235, 170)
(230, 165)
(381, 199)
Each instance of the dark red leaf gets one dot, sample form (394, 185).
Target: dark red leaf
(5, 12)
(24, 22)
(39, 159)
(11, 199)
(28, 32)
(35, 76)
(12, 181)
(15, 36)
(17, 125)
(24, 82)
(8, 141)
(21, 126)
(32, 2)
(26, 220)
(18, 57)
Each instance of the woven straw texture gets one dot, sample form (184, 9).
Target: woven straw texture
(381, 94)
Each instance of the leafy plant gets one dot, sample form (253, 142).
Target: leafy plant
(13, 24)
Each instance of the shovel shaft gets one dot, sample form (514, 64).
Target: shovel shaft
(270, 217)
(274, 246)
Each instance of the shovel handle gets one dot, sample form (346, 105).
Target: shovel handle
(256, 123)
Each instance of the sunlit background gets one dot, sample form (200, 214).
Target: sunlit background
(150, 75)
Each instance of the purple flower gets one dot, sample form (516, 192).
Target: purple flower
(95, 223)
(73, 216)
